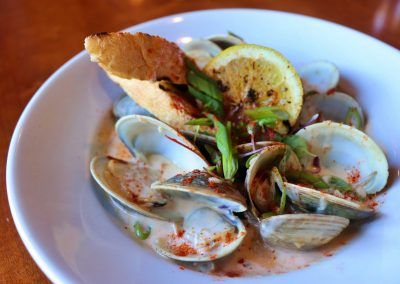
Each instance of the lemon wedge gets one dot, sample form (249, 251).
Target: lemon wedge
(255, 76)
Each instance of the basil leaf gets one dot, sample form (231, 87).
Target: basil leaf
(210, 103)
(204, 121)
(224, 145)
(353, 118)
(339, 184)
(140, 232)
(299, 145)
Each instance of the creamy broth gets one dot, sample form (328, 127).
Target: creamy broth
(251, 258)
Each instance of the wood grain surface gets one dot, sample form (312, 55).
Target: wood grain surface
(37, 37)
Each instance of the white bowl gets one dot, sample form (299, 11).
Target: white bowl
(69, 232)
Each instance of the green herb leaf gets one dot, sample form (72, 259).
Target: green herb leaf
(267, 215)
(306, 177)
(277, 178)
(267, 116)
(285, 159)
(140, 232)
(339, 184)
(224, 144)
(215, 158)
(267, 112)
(353, 118)
(249, 159)
(210, 103)
(299, 145)
(203, 121)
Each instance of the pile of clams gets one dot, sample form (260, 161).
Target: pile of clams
(300, 191)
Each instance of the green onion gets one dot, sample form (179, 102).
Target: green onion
(267, 215)
(298, 144)
(249, 159)
(276, 176)
(339, 184)
(268, 113)
(204, 89)
(210, 103)
(140, 232)
(314, 180)
(224, 145)
(203, 121)
(215, 158)
(353, 118)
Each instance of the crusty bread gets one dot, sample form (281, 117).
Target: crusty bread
(136, 62)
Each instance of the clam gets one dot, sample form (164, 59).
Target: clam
(301, 231)
(145, 136)
(335, 107)
(260, 188)
(201, 51)
(152, 142)
(125, 105)
(346, 154)
(209, 228)
(319, 76)
(225, 41)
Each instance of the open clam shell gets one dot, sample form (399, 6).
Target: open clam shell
(201, 51)
(258, 184)
(210, 230)
(125, 105)
(323, 203)
(208, 235)
(119, 180)
(200, 185)
(347, 153)
(319, 76)
(334, 107)
(144, 136)
(301, 231)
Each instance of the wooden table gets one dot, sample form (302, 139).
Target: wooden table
(37, 37)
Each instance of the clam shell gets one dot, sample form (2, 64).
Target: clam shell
(346, 151)
(215, 248)
(99, 168)
(320, 76)
(225, 41)
(212, 191)
(301, 231)
(331, 107)
(144, 135)
(125, 105)
(201, 51)
(264, 162)
(323, 203)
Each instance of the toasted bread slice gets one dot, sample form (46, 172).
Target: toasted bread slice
(138, 63)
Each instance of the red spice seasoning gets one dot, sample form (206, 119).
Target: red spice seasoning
(241, 261)
(183, 250)
(233, 274)
(181, 268)
(228, 237)
(353, 176)
(181, 233)
(331, 91)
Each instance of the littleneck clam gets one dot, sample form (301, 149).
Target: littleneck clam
(201, 51)
(344, 153)
(209, 228)
(335, 106)
(146, 138)
(319, 76)
(125, 105)
(301, 231)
